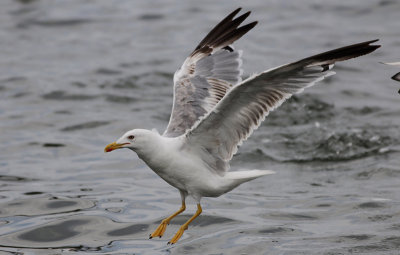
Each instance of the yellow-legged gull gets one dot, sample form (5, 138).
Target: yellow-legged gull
(214, 111)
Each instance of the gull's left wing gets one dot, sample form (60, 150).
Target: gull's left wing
(207, 74)
(217, 136)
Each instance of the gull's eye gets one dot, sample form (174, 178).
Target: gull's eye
(131, 137)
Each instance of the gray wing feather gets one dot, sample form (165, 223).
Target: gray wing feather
(211, 70)
(195, 95)
(218, 135)
(223, 65)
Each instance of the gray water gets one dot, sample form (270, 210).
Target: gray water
(75, 75)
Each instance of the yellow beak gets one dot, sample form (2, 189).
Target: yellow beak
(114, 146)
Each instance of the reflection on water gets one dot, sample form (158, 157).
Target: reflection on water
(133, 229)
(78, 74)
(42, 206)
(56, 231)
(59, 232)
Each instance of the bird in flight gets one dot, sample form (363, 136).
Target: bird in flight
(214, 111)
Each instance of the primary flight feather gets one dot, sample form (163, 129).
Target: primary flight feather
(214, 111)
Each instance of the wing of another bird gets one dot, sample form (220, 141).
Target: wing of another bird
(395, 77)
(217, 136)
(207, 74)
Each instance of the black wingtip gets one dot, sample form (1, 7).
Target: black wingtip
(247, 14)
(237, 21)
(233, 14)
(242, 17)
(253, 24)
(372, 41)
(225, 32)
(373, 46)
(234, 35)
(248, 27)
(396, 77)
(343, 53)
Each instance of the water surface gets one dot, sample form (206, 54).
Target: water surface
(75, 75)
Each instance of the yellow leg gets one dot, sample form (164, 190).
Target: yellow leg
(163, 225)
(185, 226)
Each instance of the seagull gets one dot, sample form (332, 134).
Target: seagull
(214, 111)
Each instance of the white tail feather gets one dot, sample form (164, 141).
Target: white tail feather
(247, 175)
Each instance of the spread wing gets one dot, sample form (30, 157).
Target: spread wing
(207, 74)
(217, 135)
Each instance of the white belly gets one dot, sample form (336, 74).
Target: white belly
(185, 170)
(188, 173)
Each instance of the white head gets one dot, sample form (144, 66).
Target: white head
(134, 139)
